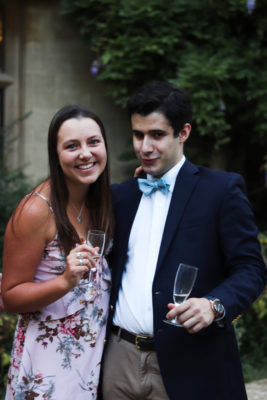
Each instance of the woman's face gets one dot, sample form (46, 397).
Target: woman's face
(81, 151)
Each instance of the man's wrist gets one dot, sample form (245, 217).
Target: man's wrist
(217, 308)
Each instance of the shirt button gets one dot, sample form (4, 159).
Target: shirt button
(111, 307)
(158, 292)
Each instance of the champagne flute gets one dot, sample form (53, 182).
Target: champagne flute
(95, 238)
(183, 284)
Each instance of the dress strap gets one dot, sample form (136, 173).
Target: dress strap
(44, 198)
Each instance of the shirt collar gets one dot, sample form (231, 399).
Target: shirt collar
(171, 175)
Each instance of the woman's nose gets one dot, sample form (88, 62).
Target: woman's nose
(85, 153)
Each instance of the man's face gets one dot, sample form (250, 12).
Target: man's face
(154, 143)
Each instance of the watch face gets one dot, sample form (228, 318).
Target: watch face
(218, 307)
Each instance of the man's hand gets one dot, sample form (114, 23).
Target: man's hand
(194, 314)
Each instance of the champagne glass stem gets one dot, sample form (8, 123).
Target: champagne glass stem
(96, 238)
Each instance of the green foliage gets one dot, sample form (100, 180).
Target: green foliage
(216, 50)
(252, 338)
(13, 187)
(263, 242)
(13, 184)
(7, 326)
(252, 334)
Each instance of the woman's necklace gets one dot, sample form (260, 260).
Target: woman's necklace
(79, 217)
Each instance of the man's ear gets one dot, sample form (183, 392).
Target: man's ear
(184, 133)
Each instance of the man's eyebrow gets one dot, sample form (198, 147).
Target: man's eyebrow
(157, 131)
(150, 131)
(136, 131)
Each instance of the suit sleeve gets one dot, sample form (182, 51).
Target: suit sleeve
(245, 270)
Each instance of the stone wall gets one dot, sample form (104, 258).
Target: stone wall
(50, 67)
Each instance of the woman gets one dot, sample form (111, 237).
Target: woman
(61, 328)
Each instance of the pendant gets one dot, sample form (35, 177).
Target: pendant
(79, 217)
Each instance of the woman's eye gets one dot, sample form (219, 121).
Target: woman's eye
(71, 146)
(94, 141)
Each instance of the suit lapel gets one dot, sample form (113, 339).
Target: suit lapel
(184, 185)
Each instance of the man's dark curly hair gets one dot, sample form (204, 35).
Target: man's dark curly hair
(164, 97)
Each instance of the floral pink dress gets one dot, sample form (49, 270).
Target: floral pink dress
(57, 351)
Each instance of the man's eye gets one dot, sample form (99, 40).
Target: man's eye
(158, 135)
(138, 135)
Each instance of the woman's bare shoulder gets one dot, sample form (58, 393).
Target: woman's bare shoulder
(34, 213)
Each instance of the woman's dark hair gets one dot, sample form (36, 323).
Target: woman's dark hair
(164, 97)
(98, 198)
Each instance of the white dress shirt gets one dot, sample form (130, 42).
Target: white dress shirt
(134, 308)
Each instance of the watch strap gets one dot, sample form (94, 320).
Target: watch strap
(211, 299)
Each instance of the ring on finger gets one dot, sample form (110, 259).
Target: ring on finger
(79, 255)
(80, 261)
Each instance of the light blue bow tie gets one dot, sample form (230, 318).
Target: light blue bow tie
(148, 186)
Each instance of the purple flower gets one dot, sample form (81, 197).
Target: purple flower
(222, 106)
(251, 4)
(95, 67)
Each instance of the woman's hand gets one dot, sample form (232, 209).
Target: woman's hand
(79, 261)
(139, 172)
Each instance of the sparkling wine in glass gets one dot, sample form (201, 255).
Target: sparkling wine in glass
(95, 238)
(183, 284)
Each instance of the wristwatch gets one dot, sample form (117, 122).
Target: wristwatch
(217, 307)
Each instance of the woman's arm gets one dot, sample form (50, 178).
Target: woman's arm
(25, 240)
(2, 308)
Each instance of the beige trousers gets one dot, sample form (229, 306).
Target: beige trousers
(129, 373)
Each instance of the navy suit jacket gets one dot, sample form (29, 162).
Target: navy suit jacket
(210, 225)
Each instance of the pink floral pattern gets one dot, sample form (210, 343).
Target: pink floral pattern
(57, 351)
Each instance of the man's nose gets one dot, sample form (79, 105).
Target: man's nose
(147, 145)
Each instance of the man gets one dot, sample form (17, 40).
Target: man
(201, 218)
